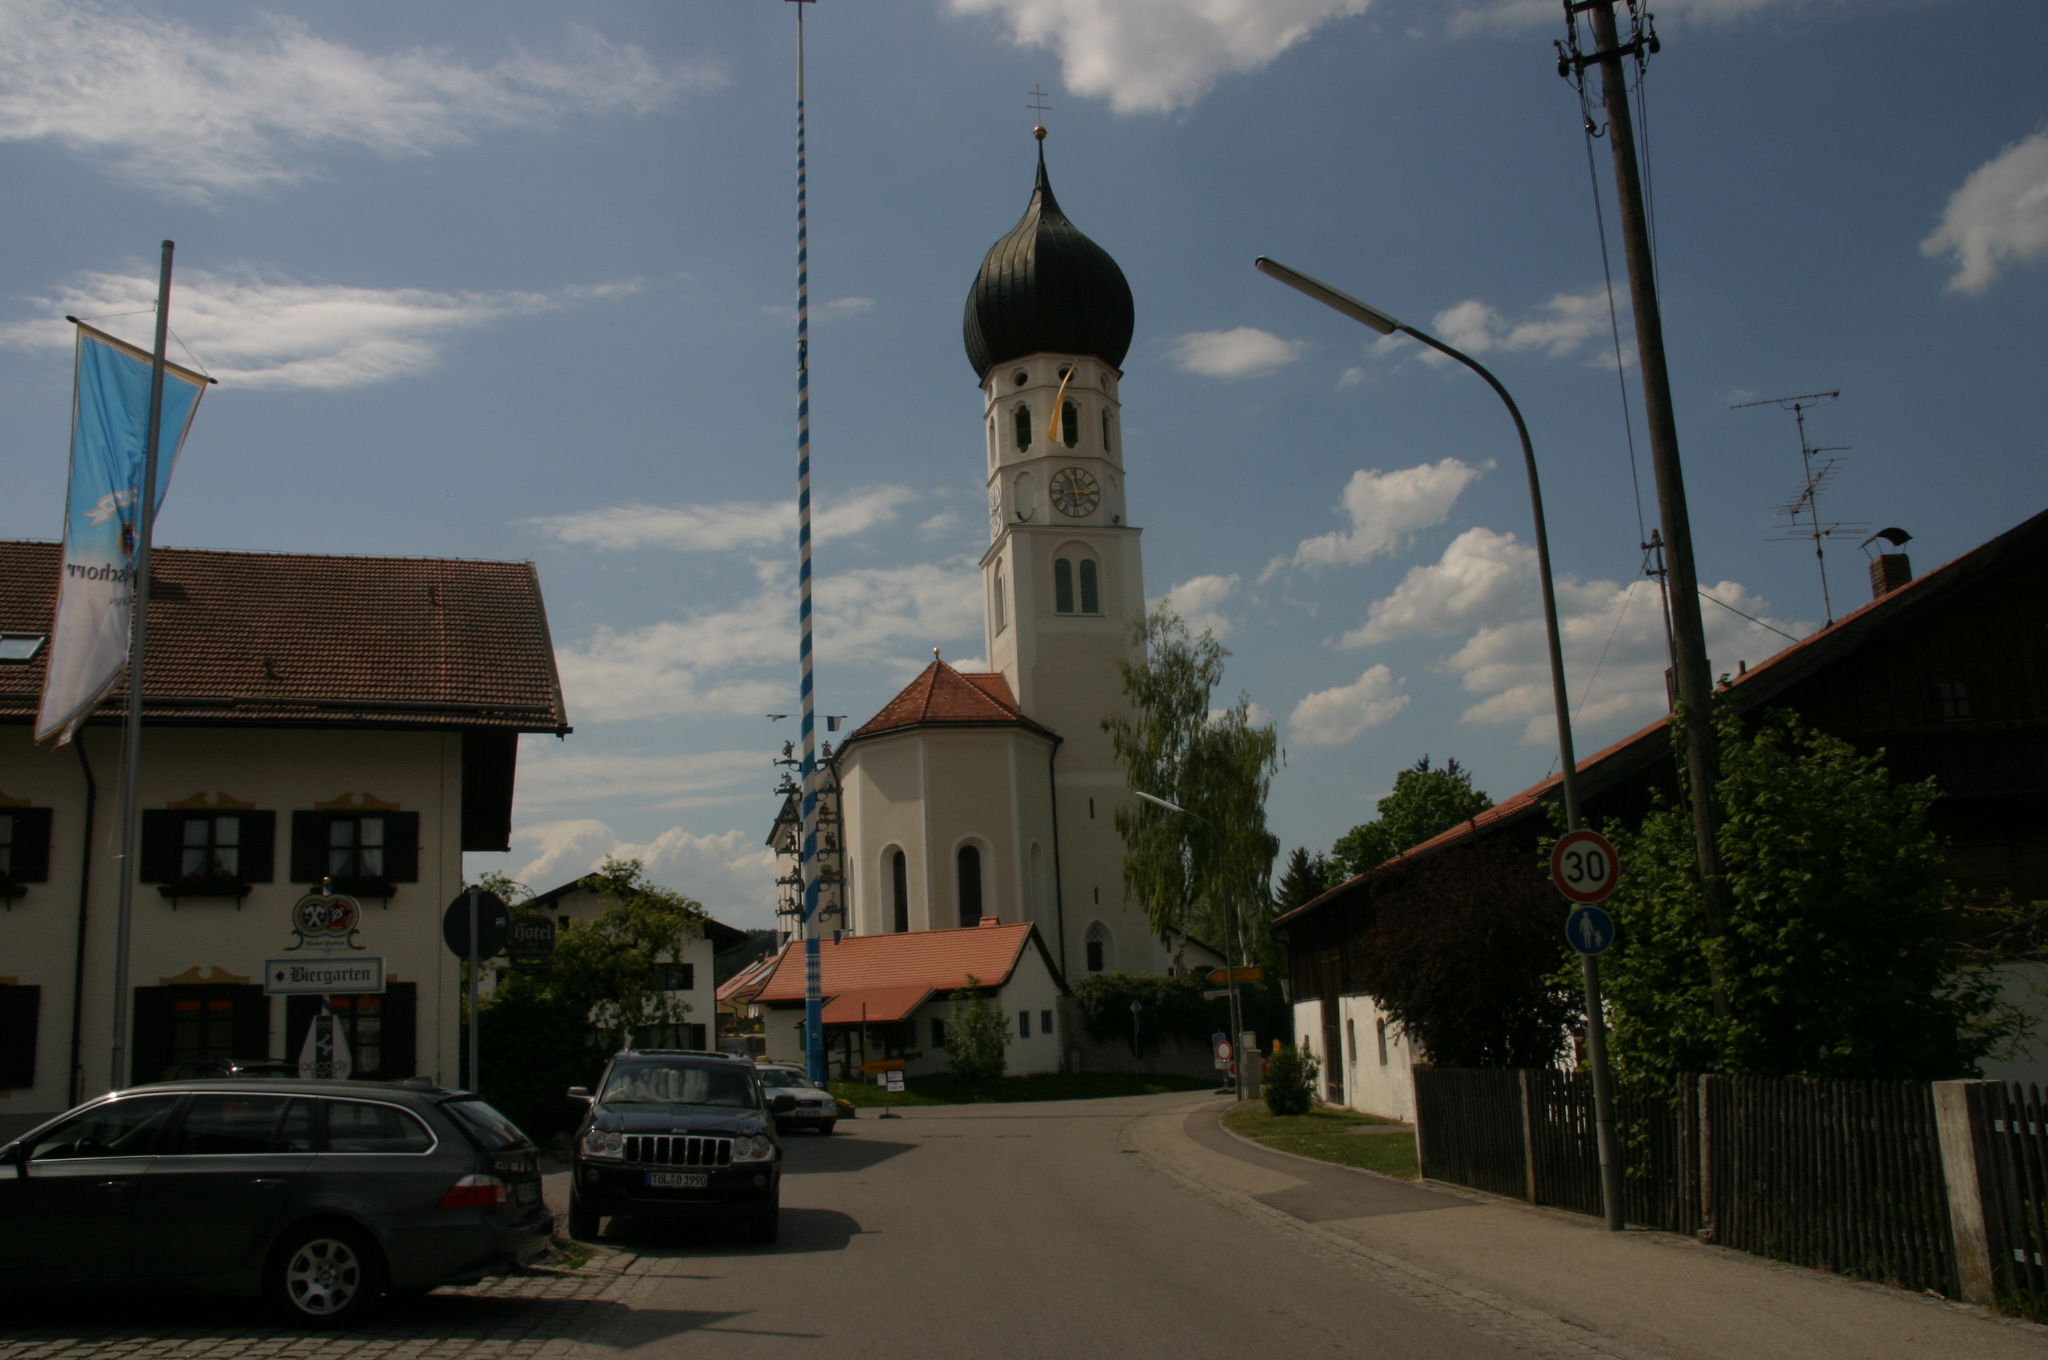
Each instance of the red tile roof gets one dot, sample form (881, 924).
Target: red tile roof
(942, 695)
(894, 974)
(305, 640)
(1761, 680)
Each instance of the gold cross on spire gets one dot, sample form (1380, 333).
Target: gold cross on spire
(1037, 104)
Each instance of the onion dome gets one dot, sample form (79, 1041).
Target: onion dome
(1046, 288)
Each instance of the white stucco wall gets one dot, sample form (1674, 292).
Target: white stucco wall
(1371, 1086)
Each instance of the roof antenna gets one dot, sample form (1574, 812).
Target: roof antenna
(1802, 513)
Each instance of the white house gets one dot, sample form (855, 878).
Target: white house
(305, 717)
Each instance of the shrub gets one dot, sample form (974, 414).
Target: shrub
(977, 1035)
(1291, 1080)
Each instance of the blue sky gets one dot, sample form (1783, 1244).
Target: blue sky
(515, 280)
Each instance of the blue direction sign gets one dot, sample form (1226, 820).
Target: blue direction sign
(1589, 929)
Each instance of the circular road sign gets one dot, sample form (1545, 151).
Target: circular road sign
(1583, 866)
(1590, 930)
(493, 925)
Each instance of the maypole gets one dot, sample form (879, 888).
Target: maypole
(814, 1008)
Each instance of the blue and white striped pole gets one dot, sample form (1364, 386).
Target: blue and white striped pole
(814, 1006)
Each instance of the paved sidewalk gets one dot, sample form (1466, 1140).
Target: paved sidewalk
(1629, 1295)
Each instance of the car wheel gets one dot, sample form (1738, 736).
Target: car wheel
(826, 1127)
(327, 1275)
(583, 1223)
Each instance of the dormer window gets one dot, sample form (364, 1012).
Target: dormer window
(18, 649)
(1070, 424)
(1021, 419)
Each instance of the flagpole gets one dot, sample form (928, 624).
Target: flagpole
(138, 646)
(814, 1010)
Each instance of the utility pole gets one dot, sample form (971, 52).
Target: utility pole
(1692, 670)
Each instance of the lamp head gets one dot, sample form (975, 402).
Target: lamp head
(1333, 298)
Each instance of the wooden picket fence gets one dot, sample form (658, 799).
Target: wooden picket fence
(1840, 1175)
(2013, 1121)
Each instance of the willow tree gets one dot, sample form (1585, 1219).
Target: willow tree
(1205, 873)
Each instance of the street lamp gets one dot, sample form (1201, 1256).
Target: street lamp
(1230, 944)
(1596, 1026)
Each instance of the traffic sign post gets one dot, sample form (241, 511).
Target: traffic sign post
(1585, 869)
(475, 926)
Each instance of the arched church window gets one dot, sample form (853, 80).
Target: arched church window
(899, 887)
(1097, 947)
(1107, 447)
(1070, 424)
(1021, 419)
(1002, 608)
(969, 861)
(1062, 586)
(1091, 594)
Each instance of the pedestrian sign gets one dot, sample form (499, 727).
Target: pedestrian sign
(1590, 930)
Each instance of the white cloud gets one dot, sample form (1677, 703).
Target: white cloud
(1999, 215)
(700, 664)
(732, 872)
(1243, 352)
(199, 116)
(1560, 327)
(1384, 509)
(1200, 603)
(942, 525)
(1256, 714)
(552, 777)
(1474, 16)
(1351, 377)
(1331, 717)
(723, 527)
(253, 329)
(1481, 577)
(1155, 56)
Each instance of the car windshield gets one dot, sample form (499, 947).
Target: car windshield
(493, 1130)
(675, 1083)
(772, 1077)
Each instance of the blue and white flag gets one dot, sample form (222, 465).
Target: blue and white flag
(102, 509)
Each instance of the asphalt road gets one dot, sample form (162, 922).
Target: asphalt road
(1022, 1230)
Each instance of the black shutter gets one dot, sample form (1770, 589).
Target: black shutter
(150, 1047)
(298, 1018)
(252, 1023)
(309, 846)
(259, 847)
(401, 1029)
(163, 836)
(402, 847)
(31, 844)
(19, 1007)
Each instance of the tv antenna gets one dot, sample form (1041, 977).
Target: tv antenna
(1802, 518)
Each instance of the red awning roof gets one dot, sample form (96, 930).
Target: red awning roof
(876, 1005)
(894, 974)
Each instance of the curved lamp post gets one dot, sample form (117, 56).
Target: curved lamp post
(1596, 1027)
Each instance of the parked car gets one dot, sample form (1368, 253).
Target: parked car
(230, 1067)
(317, 1195)
(815, 1108)
(678, 1135)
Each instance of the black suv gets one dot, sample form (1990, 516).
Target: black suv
(678, 1135)
(318, 1195)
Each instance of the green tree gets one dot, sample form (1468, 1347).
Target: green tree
(1205, 873)
(1425, 802)
(1290, 1085)
(544, 1032)
(1305, 878)
(1845, 952)
(978, 1035)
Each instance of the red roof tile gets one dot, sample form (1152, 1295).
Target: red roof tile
(941, 694)
(311, 640)
(886, 969)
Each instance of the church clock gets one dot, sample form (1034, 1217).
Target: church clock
(1074, 493)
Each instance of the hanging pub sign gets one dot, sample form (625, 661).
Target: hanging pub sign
(329, 962)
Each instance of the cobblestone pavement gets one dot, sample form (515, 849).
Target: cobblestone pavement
(541, 1312)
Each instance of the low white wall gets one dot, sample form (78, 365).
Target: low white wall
(1377, 1080)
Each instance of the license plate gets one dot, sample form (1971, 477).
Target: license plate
(678, 1180)
(526, 1192)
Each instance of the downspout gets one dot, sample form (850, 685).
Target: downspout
(92, 796)
(1059, 892)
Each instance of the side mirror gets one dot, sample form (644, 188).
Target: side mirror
(781, 1104)
(581, 1093)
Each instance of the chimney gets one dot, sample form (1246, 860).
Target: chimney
(1889, 570)
(991, 920)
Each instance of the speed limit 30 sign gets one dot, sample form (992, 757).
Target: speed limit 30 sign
(1583, 866)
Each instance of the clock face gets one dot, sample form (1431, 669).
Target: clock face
(1074, 493)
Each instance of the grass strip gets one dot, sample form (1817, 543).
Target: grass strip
(945, 1089)
(1328, 1135)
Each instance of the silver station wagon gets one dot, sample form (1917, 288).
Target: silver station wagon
(318, 1195)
